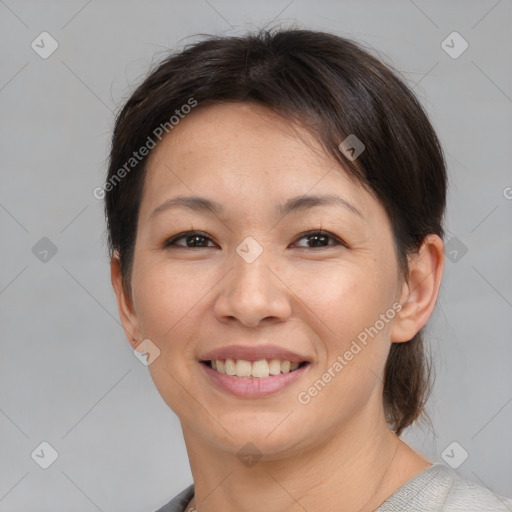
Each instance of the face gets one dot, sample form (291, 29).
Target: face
(261, 276)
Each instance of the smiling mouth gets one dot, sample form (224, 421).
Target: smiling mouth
(261, 369)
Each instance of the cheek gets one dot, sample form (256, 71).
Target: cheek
(347, 297)
(162, 299)
(348, 303)
(168, 311)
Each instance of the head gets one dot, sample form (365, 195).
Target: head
(249, 123)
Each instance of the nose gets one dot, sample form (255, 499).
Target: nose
(252, 294)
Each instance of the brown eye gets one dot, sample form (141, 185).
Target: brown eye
(320, 239)
(199, 240)
(193, 239)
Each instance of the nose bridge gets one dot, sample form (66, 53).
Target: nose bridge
(251, 291)
(251, 270)
(251, 277)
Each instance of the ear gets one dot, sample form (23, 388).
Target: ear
(124, 302)
(420, 290)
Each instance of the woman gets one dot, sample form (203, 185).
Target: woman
(274, 207)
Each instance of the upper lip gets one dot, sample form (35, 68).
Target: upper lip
(253, 353)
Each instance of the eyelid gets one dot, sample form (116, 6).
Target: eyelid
(171, 242)
(322, 232)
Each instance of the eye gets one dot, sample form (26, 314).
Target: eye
(321, 239)
(196, 238)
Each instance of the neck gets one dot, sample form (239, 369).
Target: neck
(355, 469)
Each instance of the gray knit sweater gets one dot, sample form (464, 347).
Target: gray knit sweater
(436, 489)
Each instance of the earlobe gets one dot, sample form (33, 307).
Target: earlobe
(124, 302)
(420, 290)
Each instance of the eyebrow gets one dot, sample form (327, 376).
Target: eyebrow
(294, 204)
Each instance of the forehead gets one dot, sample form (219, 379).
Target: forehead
(244, 151)
(226, 131)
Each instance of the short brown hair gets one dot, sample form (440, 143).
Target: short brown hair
(335, 88)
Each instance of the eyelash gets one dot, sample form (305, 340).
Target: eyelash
(172, 241)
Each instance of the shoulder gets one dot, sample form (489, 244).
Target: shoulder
(465, 495)
(440, 489)
(179, 502)
(437, 489)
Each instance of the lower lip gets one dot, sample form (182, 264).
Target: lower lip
(254, 388)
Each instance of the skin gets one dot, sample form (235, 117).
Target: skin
(336, 452)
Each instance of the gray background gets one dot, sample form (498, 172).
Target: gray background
(67, 374)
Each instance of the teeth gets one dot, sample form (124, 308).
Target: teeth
(274, 367)
(260, 369)
(243, 368)
(229, 367)
(285, 366)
